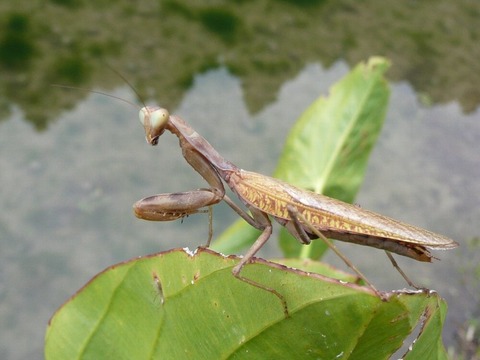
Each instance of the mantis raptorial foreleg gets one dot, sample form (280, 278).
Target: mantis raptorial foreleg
(173, 206)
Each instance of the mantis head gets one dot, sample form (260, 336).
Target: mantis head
(154, 121)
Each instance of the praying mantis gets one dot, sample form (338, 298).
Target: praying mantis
(306, 215)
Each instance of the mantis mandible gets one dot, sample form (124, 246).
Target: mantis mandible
(306, 215)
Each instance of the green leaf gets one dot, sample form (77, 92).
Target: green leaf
(174, 305)
(429, 343)
(328, 148)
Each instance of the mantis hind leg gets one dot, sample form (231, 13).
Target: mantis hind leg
(399, 269)
(300, 222)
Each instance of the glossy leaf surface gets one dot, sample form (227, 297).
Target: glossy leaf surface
(174, 305)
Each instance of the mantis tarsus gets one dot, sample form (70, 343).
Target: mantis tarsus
(306, 215)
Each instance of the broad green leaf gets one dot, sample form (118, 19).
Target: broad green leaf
(174, 305)
(429, 343)
(328, 148)
(350, 121)
(319, 268)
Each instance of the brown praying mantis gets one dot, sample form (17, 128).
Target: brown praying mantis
(306, 215)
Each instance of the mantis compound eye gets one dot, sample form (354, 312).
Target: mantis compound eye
(158, 119)
(154, 121)
(153, 116)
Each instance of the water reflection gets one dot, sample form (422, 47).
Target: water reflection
(161, 47)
